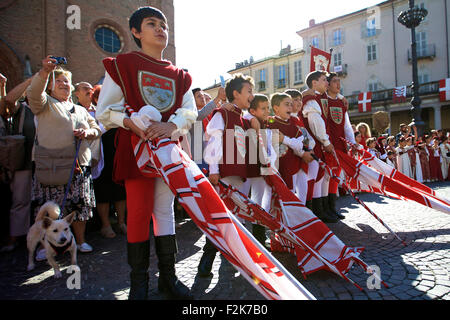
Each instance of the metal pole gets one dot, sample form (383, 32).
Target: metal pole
(415, 101)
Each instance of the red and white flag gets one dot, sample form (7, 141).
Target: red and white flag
(399, 94)
(295, 229)
(371, 174)
(365, 102)
(205, 207)
(444, 89)
(320, 60)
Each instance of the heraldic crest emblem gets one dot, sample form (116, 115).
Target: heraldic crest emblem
(337, 114)
(156, 90)
(324, 107)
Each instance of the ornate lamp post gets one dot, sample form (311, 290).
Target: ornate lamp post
(411, 19)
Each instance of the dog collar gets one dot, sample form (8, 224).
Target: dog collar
(62, 249)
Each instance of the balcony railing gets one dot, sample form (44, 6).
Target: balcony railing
(281, 83)
(424, 52)
(387, 94)
(261, 85)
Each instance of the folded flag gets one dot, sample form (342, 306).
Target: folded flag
(207, 210)
(296, 229)
(369, 174)
(399, 94)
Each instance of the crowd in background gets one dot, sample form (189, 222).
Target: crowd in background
(423, 158)
(92, 190)
(54, 114)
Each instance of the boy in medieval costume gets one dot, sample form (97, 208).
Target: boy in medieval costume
(227, 148)
(315, 115)
(338, 123)
(143, 79)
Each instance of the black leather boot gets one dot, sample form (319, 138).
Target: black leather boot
(332, 197)
(317, 204)
(138, 259)
(259, 232)
(207, 260)
(168, 283)
(309, 205)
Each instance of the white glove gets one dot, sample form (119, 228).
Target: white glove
(143, 118)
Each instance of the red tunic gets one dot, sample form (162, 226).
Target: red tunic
(234, 130)
(336, 123)
(143, 81)
(289, 163)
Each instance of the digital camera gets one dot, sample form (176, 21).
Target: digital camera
(59, 60)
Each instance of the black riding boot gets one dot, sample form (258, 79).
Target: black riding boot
(332, 197)
(168, 283)
(138, 259)
(309, 205)
(259, 232)
(317, 204)
(207, 260)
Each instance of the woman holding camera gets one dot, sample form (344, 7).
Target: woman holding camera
(62, 126)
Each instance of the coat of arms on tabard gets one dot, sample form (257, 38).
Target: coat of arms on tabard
(324, 107)
(337, 114)
(156, 90)
(239, 135)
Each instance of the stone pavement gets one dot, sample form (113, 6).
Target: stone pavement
(420, 271)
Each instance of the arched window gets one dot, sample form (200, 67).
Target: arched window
(108, 39)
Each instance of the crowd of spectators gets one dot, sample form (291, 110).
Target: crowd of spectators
(51, 112)
(424, 158)
(54, 115)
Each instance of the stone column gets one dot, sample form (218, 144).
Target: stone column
(437, 117)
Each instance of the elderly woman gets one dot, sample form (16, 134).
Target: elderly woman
(60, 125)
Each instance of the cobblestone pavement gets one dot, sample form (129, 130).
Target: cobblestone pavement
(419, 271)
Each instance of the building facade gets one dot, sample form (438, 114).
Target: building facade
(83, 31)
(371, 51)
(273, 74)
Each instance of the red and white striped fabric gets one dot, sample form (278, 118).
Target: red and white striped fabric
(207, 210)
(444, 89)
(362, 176)
(365, 102)
(399, 94)
(297, 230)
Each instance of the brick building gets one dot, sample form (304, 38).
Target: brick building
(83, 31)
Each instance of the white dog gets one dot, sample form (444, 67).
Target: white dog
(54, 234)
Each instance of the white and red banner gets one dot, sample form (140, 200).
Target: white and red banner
(444, 89)
(370, 174)
(320, 60)
(296, 229)
(399, 94)
(208, 211)
(365, 102)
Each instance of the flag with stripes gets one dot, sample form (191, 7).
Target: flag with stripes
(295, 229)
(370, 174)
(205, 207)
(399, 94)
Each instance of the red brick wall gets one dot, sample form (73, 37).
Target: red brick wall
(38, 28)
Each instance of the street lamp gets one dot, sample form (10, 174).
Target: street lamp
(411, 19)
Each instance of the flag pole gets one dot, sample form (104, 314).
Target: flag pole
(348, 189)
(287, 233)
